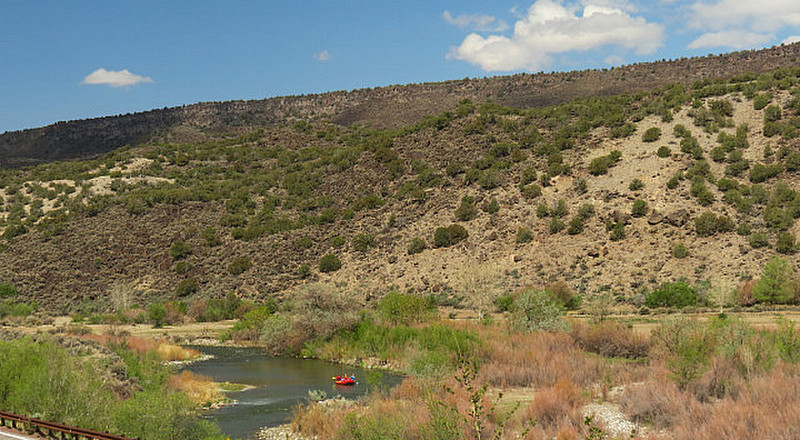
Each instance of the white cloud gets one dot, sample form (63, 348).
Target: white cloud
(762, 16)
(551, 28)
(322, 56)
(476, 22)
(614, 60)
(791, 39)
(732, 39)
(115, 78)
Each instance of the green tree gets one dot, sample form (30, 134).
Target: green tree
(777, 285)
(157, 314)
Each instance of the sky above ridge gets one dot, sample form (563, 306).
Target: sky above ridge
(63, 60)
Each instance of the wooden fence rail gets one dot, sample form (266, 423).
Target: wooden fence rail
(52, 429)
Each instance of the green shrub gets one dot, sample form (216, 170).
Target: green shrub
(182, 267)
(14, 229)
(8, 290)
(559, 209)
(772, 113)
(636, 185)
(575, 226)
(454, 168)
(528, 175)
(580, 186)
(489, 179)
(760, 173)
(303, 271)
(761, 100)
(531, 191)
(338, 241)
(586, 211)
(209, 235)
(239, 266)
(677, 294)
(536, 310)
(445, 237)
(400, 308)
(524, 235)
(623, 131)
(679, 250)
(786, 243)
(416, 246)
(466, 211)
(329, 263)
(556, 225)
(504, 303)
(639, 208)
(187, 287)
(180, 250)
(493, 207)
(304, 243)
(708, 224)
(363, 242)
(652, 134)
(758, 240)
(617, 231)
(542, 211)
(663, 152)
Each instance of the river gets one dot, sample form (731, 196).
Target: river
(279, 385)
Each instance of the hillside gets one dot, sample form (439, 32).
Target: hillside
(598, 193)
(384, 107)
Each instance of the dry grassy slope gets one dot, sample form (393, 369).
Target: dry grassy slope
(95, 253)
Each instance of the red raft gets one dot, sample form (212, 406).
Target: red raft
(344, 380)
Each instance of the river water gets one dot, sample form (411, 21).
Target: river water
(279, 385)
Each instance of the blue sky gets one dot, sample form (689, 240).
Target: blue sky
(63, 60)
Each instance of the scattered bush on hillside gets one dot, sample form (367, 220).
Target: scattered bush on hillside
(786, 243)
(493, 207)
(761, 100)
(416, 246)
(617, 231)
(600, 165)
(758, 239)
(445, 237)
(524, 235)
(531, 191)
(772, 113)
(636, 185)
(652, 134)
(363, 242)
(663, 151)
(575, 226)
(329, 263)
(679, 250)
(180, 250)
(639, 208)
(556, 225)
(466, 211)
(760, 173)
(187, 287)
(239, 266)
(708, 224)
(678, 294)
